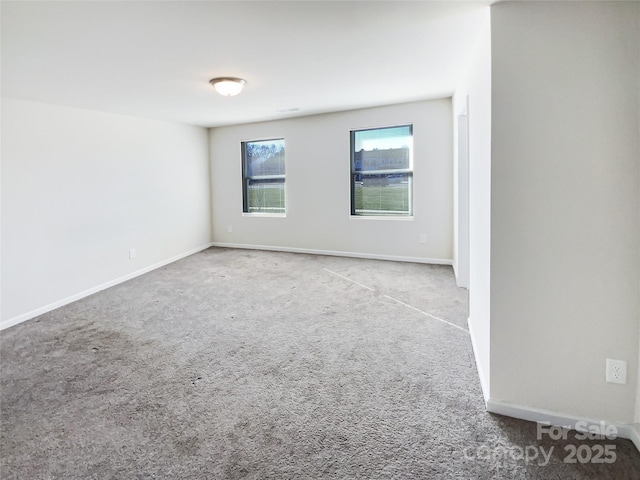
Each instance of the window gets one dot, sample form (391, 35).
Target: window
(382, 171)
(263, 176)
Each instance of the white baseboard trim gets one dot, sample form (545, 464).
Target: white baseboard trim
(483, 381)
(336, 253)
(560, 419)
(90, 291)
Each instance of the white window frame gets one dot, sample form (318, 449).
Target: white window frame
(260, 178)
(399, 171)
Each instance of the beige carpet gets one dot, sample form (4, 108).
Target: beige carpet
(236, 364)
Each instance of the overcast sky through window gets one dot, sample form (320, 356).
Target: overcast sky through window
(383, 138)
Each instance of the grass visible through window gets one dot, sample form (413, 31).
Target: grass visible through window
(378, 199)
(266, 198)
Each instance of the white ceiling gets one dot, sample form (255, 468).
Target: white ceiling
(154, 58)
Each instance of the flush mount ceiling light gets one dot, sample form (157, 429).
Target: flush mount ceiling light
(228, 86)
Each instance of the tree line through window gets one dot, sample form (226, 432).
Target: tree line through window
(263, 176)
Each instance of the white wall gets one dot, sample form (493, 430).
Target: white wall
(461, 193)
(79, 188)
(317, 185)
(565, 205)
(476, 84)
(637, 416)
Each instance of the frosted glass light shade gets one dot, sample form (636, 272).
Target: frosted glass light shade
(228, 86)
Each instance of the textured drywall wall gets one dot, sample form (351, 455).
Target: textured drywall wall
(317, 185)
(565, 205)
(80, 188)
(476, 86)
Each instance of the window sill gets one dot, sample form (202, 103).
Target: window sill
(382, 217)
(264, 215)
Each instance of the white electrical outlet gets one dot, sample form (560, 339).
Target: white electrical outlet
(229, 229)
(423, 238)
(616, 371)
(132, 253)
